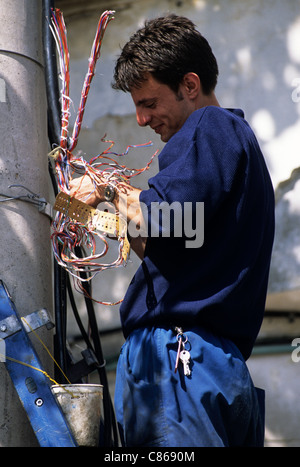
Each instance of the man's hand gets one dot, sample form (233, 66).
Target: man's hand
(83, 189)
(125, 201)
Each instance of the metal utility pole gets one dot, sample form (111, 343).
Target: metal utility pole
(25, 265)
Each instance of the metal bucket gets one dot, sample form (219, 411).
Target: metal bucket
(82, 407)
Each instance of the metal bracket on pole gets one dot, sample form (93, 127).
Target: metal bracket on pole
(43, 411)
(43, 206)
(11, 324)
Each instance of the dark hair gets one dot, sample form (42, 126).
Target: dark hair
(167, 47)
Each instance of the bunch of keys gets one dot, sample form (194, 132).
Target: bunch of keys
(182, 354)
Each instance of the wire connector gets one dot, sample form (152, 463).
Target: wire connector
(33, 198)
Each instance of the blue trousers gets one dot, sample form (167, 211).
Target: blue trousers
(216, 406)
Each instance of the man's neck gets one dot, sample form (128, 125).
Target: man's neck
(207, 100)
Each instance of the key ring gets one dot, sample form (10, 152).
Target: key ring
(183, 354)
(180, 335)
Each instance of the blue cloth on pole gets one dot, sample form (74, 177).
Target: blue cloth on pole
(216, 406)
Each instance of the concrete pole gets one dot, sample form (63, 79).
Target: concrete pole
(25, 265)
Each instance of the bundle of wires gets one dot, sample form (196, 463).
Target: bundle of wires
(102, 169)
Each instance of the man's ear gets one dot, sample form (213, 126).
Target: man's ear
(192, 85)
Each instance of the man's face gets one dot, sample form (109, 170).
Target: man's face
(160, 108)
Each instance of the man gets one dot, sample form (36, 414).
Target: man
(206, 298)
